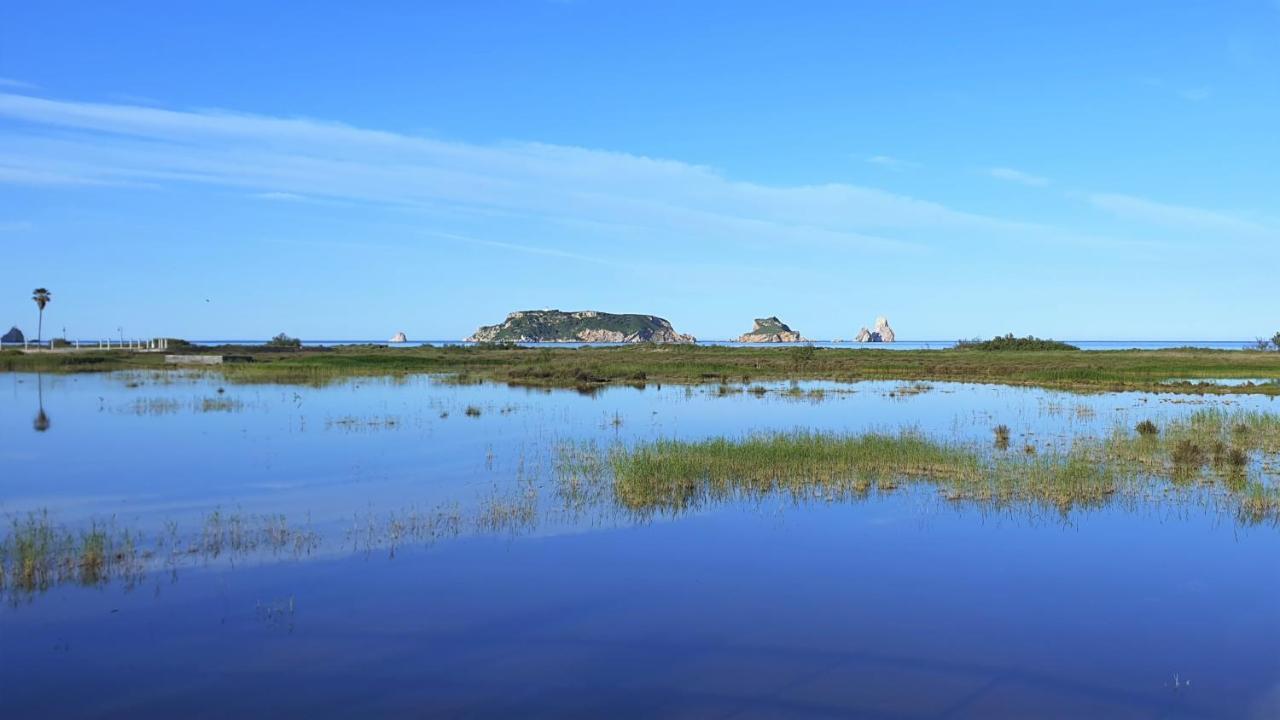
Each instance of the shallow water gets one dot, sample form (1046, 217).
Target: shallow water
(897, 605)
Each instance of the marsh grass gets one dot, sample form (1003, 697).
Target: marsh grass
(1220, 451)
(672, 476)
(1001, 433)
(397, 528)
(37, 554)
(240, 534)
(911, 389)
(509, 512)
(587, 367)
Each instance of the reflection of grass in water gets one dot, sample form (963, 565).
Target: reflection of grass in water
(1211, 448)
(170, 406)
(221, 404)
(155, 406)
(509, 513)
(352, 423)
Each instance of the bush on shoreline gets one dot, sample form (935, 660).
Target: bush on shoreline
(1009, 342)
(284, 341)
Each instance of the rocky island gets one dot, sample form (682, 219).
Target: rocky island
(771, 330)
(13, 336)
(881, 333)
(580, 326)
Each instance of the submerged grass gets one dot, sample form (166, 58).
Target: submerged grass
(37, 554)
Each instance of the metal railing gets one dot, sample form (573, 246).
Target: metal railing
(59, 344)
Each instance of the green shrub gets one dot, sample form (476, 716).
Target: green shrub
(284, 341)
(1009, 342)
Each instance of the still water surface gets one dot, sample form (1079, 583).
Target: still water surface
(892, 606)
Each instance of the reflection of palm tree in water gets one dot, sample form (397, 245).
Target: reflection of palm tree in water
(41, 422)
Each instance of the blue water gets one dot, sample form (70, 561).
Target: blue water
(897, 605)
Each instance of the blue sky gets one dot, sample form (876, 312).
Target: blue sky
(1085, 170)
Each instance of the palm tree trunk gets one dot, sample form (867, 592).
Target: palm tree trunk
(40, 329)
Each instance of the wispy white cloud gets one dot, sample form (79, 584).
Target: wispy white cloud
(892, 163)
(1140, 209)
(530, 249)
(282, 196)
(618, 195)
(11, 83)
(1017, 176)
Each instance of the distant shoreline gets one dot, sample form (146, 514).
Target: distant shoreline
(1108, 368)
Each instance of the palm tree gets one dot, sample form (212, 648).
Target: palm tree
(41, 297)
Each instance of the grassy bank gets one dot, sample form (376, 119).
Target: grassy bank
(1147, 370)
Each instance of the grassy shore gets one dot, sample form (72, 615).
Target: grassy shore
(1148, 370)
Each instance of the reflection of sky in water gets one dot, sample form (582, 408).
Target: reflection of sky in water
(889, 607)
(163, 449)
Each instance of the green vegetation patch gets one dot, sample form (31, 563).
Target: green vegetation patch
(1166, 371)
(1009, 342)
(1229, 454)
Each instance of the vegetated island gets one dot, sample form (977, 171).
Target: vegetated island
(771, 330)
(580, 326)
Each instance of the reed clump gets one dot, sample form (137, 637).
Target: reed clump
(1002, 437)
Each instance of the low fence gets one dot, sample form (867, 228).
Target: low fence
(59, 344)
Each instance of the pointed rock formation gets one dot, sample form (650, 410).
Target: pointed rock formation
(770, 330)
(882, 332)
(13, 336)
(399, 338)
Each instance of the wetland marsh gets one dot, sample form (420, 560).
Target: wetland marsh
(878, 548)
